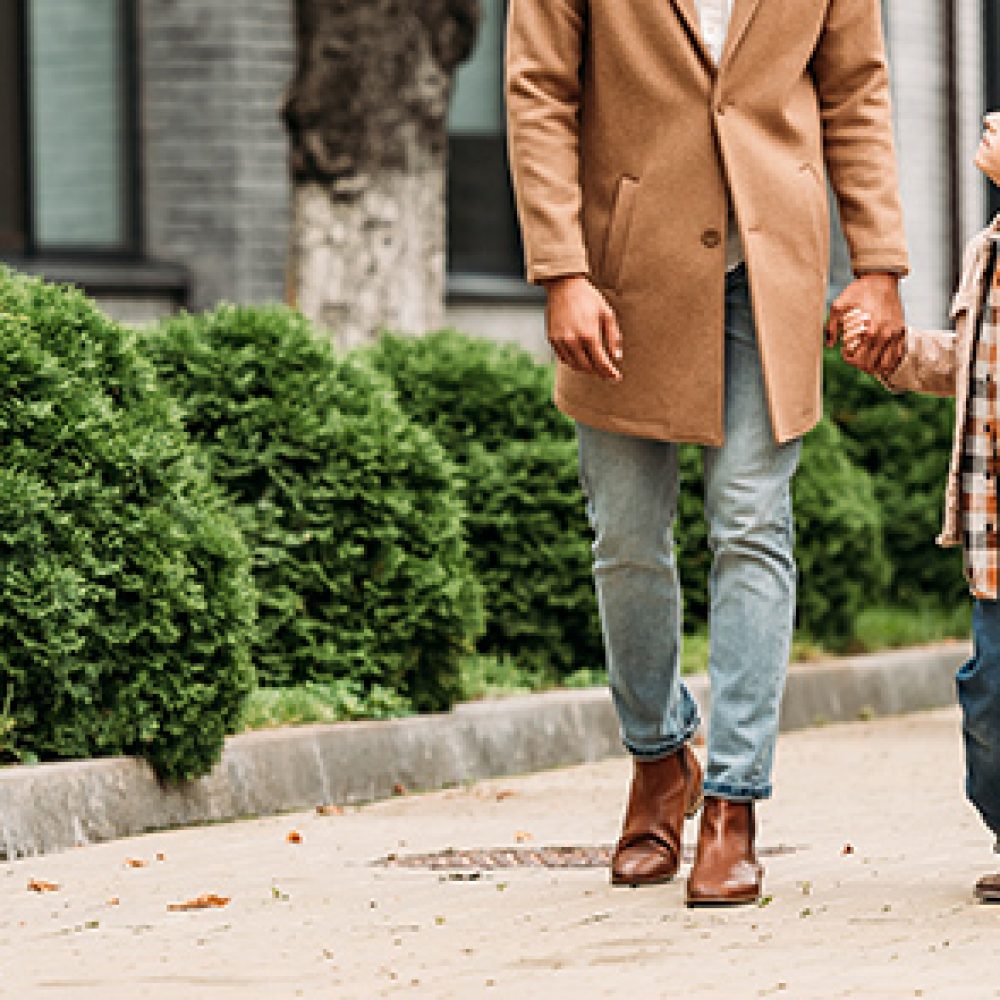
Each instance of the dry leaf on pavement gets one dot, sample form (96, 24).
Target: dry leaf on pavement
(207, 902)
(135, 863)
(38, 885)
(522, 836)
(294, 837)
(330, 810)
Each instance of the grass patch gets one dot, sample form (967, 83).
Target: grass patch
(498, 677)
(340, 701)
(894, 628)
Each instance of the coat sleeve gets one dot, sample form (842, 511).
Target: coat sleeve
(852, 83)
(929, 365)
(543, 88)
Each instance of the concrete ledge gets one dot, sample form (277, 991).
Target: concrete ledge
(52, 807)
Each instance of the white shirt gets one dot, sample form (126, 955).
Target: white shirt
(714, 15)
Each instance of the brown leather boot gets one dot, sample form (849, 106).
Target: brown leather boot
(988, 889)
(663, 793)
(726, 871)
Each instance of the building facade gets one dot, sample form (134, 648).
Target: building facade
(143, 157)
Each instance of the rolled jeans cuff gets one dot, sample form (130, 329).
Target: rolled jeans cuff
(665, 748)
(737, 793)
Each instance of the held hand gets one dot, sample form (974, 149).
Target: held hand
(582, 328)
(866, 350)
(877, 296)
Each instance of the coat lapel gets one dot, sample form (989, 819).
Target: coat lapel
(743, 14)
(688, 13)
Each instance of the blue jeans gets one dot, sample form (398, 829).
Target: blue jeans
(631, 488)
(979, 696)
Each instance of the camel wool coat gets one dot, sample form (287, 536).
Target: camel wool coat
(627, 143)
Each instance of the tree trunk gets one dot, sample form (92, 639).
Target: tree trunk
(366, 114)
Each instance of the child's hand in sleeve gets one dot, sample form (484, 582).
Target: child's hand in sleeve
(876, 354)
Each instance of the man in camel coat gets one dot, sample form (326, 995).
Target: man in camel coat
(670, 160)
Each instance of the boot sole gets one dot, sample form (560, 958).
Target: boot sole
(718, 904)
(621, 883)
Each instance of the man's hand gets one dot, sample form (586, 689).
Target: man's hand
(582, 327)
(877, 296)
(863, 348)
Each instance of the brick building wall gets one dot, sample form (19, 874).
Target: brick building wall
(216, 183)
(215, 153)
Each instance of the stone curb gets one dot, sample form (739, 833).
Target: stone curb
(52, 807)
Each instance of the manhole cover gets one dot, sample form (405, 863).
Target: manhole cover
(576, 856)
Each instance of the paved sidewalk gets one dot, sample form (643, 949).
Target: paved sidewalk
(889, 916)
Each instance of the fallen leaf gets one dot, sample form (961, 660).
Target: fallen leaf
(135, 863)
(522, 836)
(114, 901)
(294, 837)
(207, 902)
(330, 810)
(399, 788)
(847, 849)
(38, 885)
(161, 857)
(505, 793)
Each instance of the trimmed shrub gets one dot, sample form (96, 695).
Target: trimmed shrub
(125, 597)
(904, 443)
(840, 550)
(839, 545)
(491, 408)
(351, 510)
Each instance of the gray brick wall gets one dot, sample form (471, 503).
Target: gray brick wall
(917, 57)
(216, 185)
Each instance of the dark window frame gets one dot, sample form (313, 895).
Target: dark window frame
(131, 248)
(14, 234)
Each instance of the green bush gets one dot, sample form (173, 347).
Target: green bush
(839, 548)
(491, 408)
(125, 597)
(839, 539)
(904, 443)
(351, 510)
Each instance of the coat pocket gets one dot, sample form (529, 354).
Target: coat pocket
(815, 191)
(616, 237)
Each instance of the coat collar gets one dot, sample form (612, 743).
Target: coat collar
(739, 22)
(742, 14)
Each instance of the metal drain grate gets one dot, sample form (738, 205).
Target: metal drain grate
(577, 856)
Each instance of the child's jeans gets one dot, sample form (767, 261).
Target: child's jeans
(979, 695)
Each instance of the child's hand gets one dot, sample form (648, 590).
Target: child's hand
(875, 354)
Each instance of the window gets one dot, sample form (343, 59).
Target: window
(483, 237)
(67, 132)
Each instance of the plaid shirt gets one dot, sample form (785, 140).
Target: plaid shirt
(965, 362)
(980, 460)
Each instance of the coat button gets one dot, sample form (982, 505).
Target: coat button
(711, 238)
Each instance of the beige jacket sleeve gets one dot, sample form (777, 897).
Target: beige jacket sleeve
(545, 55)
(852, 82)
(930, 364)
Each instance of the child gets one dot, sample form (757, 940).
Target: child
(964, 363)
